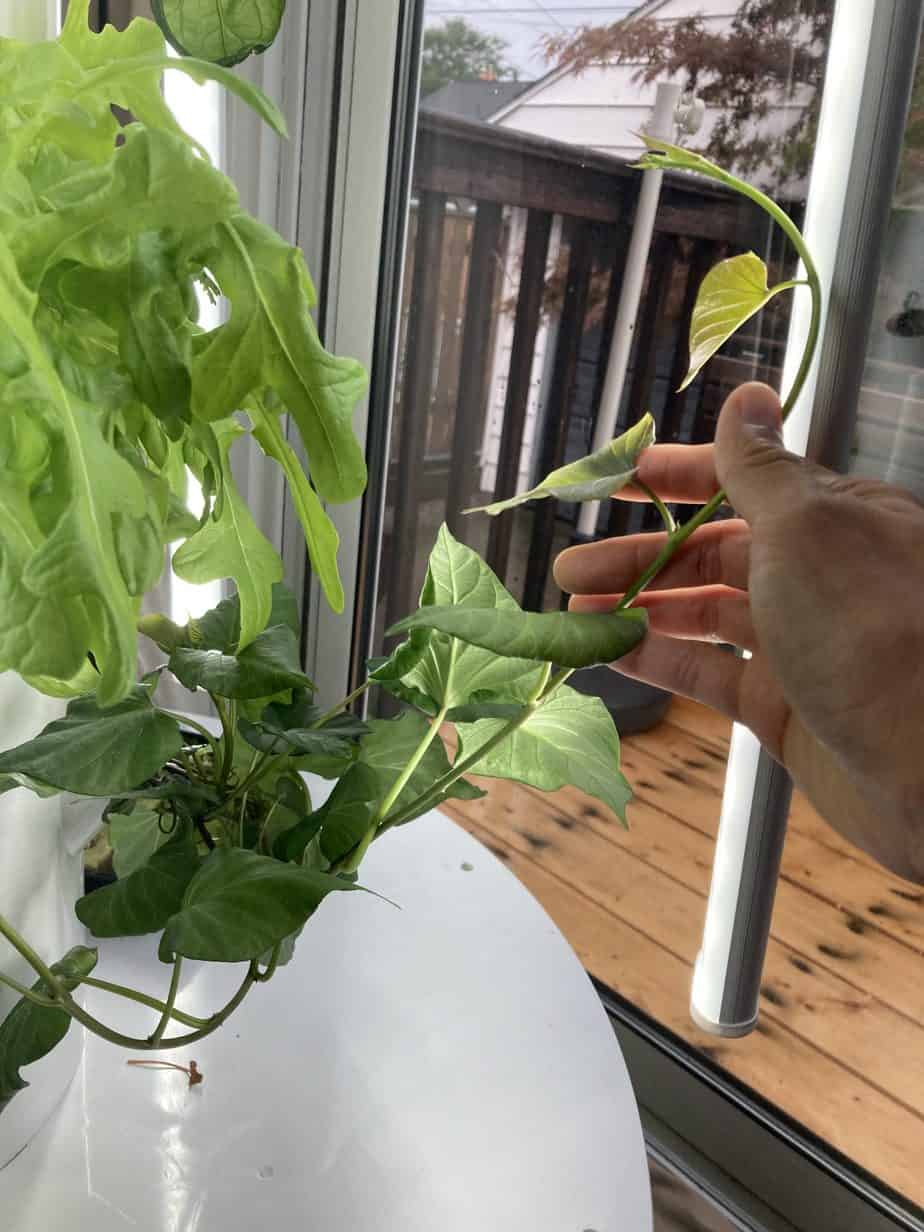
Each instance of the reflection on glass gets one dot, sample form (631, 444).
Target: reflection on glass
(523, 198)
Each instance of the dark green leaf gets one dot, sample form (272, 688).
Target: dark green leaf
(240, 904)
(349, 811)
(570, 639)
(96, 752)
(29, 1032)
(593, 478)
(221, 31)
(220, 627)
(569, 741)
(290, 729)
(144, 901)
(268, 665)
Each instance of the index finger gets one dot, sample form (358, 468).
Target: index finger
(684, 474)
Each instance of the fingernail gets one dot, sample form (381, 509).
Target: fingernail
(760, 417)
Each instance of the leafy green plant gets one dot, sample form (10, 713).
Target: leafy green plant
(112, 393)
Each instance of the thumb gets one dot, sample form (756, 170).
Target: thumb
(759, 475)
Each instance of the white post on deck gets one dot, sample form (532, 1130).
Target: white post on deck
(661, 124)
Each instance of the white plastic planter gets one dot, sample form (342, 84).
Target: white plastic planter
(41, 842)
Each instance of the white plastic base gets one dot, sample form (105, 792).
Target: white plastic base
(40, 878)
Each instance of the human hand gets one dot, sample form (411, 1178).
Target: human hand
(821, 579)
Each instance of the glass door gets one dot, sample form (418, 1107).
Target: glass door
(522, 203)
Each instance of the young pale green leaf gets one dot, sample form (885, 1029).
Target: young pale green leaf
(268, 665)
(731, 293)
(389, 747)
(569, 639)
(240, 904)
(271, 341)
(320, 533)
(99, 752)
(222, 31)
(145, 900)
(569, 741)
(232, 545)
(593, 478)
(432, 671)
(29, 1032)
(134, 838)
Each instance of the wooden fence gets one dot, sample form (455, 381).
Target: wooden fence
(468, 179)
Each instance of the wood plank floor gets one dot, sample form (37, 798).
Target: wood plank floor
(840, 1043)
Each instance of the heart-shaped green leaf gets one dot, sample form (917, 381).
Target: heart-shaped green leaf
(29, 1031)
(429, 670)
(96, 752)
(569, 639)
(268, 665)
(221, 31)
(593, 478)
(290, 729)
(240, 904)
(731, 293)
(569, 741)
(144, 901)
(134, 838)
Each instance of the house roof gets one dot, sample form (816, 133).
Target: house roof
(555, 74)
(473, 100)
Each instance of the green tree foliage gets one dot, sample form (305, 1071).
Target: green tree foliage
(456, 51)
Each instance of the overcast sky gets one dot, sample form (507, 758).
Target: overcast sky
(523, 22)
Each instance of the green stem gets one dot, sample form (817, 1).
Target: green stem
(185, 721)
(438, 789)
(263, 977)
(79, 1014)
(347, 701)
(158, 1033)
(28, 993)
(142, 998)
(682, 533)
(51, 981)
(226, 717)
(666, 516)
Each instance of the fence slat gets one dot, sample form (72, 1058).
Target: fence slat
(525, 328)
(418, 387)
(560, 402)
(701, 260)
(473, 371)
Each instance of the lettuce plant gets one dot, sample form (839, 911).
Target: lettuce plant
(111, 394)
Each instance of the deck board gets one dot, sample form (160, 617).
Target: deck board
(840, 1045)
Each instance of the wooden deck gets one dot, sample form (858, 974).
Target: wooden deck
(840, 1043)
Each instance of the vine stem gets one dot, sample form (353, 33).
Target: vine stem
(335, 710)
(379, 821)
(30, 995)
(185, 720)
(142, 998)
(438, 789)
(681, 533)
(79, 1014)
(226, 718)
(158, 1033)
(37, 964)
